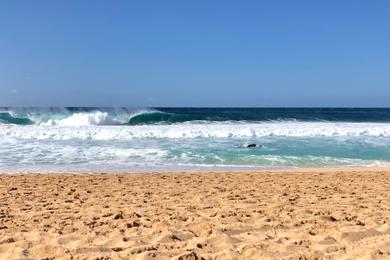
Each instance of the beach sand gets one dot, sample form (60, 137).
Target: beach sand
(292, 214)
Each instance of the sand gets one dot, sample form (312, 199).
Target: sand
(298, 214)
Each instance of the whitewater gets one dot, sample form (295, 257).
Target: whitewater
(155, 139)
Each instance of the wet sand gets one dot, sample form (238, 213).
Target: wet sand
(307, 214)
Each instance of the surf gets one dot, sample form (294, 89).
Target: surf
(158, 117)
(231, 130)
(97, 116)
(8, 118)
(139, 138)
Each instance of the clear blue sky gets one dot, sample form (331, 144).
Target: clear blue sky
(195, 53)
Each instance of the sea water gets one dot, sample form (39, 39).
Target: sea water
(175, 139)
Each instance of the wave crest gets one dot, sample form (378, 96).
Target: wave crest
(158, 117)
(81, 116)
(8, 118)
(83, 119)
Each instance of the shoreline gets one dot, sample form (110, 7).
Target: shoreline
(209, 170)
(310, 213)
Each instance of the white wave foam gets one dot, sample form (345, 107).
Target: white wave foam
(63, 117)
(82, 119)
(188, 130)
(313, 161)
(95, 118)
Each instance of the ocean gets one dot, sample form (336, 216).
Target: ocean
(78, 139)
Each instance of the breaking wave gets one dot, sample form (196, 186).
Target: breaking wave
(77, 116)
(96, 117)
(127, 139)
(8, 118)
(156, 117)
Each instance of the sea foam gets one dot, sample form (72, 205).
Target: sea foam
(112, 139)
(82, 119)
(64, 130)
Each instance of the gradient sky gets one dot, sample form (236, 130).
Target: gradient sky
(194, 53)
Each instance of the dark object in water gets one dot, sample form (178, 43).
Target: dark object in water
(252, 145)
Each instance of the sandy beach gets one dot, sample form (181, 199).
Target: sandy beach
(290, 214)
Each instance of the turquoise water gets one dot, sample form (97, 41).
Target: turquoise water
(127, 139)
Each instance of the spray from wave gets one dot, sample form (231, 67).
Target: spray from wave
(83, 119)
(105, 116)
(69, 116)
